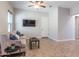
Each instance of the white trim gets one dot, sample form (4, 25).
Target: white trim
(61, 39)
(64, 40)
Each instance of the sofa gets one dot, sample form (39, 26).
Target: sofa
(5, 41)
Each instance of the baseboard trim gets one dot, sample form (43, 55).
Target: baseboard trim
(61, 39)
(64, 40)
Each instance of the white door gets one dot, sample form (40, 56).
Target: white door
(44, 27)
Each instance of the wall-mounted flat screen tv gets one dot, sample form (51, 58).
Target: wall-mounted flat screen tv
(29, 23)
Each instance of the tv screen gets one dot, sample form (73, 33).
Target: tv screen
(30, 23)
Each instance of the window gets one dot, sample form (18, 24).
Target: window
(10, 21)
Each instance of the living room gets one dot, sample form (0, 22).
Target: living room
(10, 25)
(53, 25)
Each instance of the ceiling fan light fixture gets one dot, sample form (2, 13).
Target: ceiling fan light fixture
(36, 6)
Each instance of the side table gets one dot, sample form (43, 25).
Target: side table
(34, 42)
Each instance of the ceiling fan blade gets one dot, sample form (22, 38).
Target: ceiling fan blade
(36, 1)
(42, 6)
(41, 2)
(31, 1)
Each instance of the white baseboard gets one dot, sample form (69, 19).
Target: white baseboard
(61, 39)
(64, 40)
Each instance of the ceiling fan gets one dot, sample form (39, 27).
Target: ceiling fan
(37, 4)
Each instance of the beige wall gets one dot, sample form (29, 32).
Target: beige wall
(4, 7)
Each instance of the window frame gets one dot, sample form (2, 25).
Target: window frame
(10, 24)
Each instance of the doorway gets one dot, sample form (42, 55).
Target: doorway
(77, 27)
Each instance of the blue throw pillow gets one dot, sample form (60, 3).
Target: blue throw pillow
(18, 33)
(13, 37)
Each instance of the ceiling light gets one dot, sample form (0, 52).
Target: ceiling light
(36, 6)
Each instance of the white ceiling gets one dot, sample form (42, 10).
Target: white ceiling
(23, 5)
